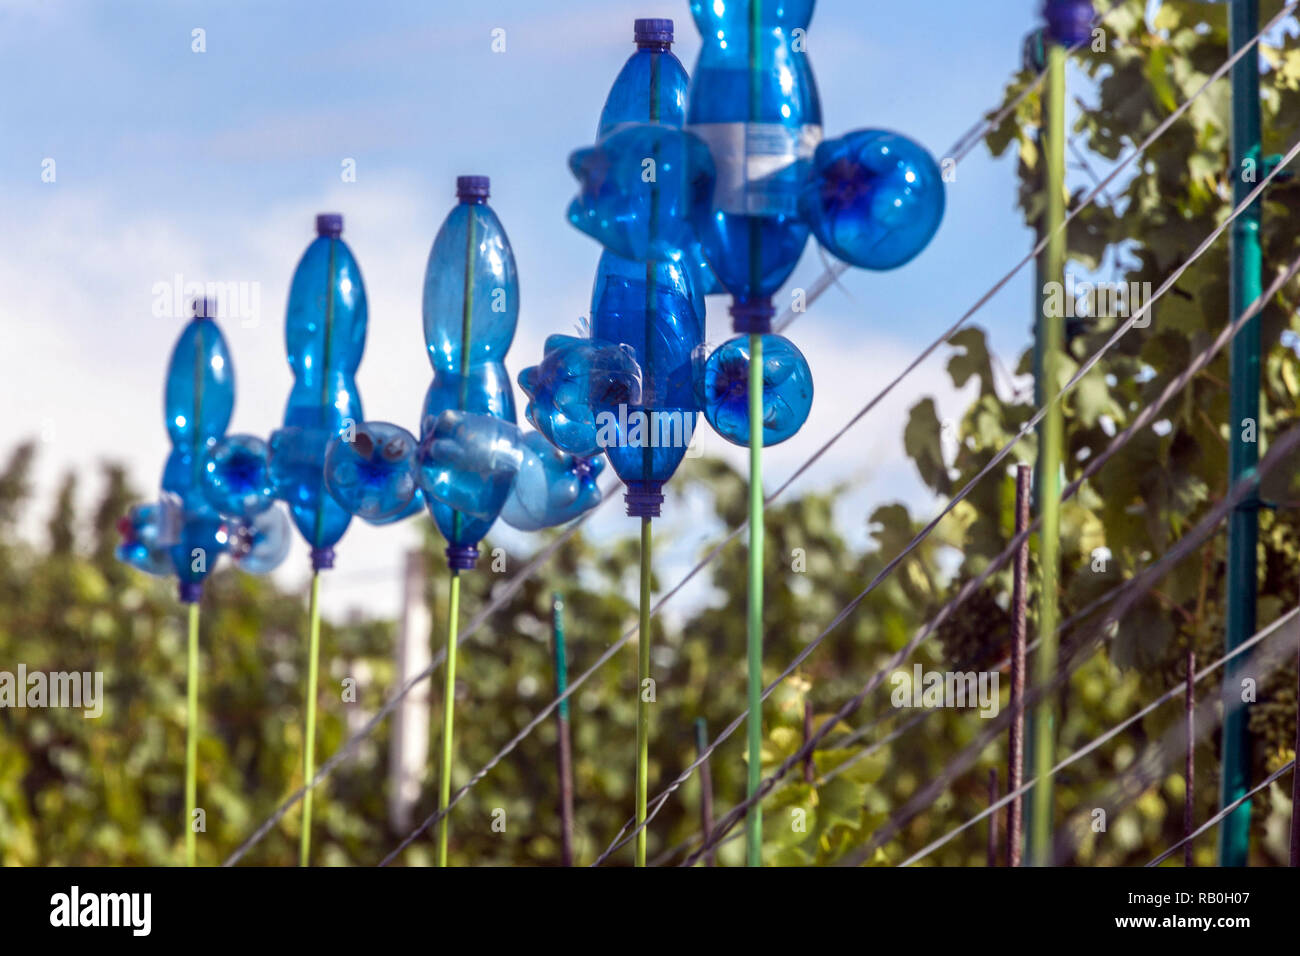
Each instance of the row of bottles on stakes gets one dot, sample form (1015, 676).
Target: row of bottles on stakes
(695, 227)
(326, 463)
(693, 187)
(236, 494)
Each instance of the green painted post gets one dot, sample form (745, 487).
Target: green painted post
(192, 736)
(563, 741)
(309, 731)
(1243, 525)
(1035, 59)
(754, 622)
(643, 702)
(1049, 342)
(754, 724)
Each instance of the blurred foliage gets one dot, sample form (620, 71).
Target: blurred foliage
(109, 790)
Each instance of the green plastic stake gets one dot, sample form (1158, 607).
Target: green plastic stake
(563, 739)
(706, 787)
(448, 714)
(1243, 455)
(642, 703)
(754, 722)
(309, 741)
(191, 734)
(754, 640)
(1049, 342)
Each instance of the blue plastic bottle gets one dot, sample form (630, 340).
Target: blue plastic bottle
(325, 334)
(652, 88)
(471, 303)
(787, 390)
(874, 199)
(471, 251)
(147, 531)
(197, 403)
(753, 100)
(468, 462)
(575, 378)
(485, 389)
(635, 210)
(648, 309)
(551, 487)
(642, 186)
(372, 473)
(261, 543)
(237, 477)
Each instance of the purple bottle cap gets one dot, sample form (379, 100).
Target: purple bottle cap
(204, 307)
(643, 498)
(329, 224)
(653, 33)
(1069, 22)
(322, 559)
(752, 316)
(472, 188)
(462, 557)
(190, 591)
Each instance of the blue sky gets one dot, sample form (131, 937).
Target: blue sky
(212, 165)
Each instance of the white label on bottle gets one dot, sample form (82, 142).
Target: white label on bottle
(756, 165)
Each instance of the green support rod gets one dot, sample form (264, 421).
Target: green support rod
(1049, 342)
(309, 742)
(643, 624)
(191, 734)
(563, 740)
(754, 723)
(1243, 455)
(448, 714)
(642, 703)
(754, 640)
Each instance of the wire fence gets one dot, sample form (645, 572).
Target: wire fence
(1144, 418)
